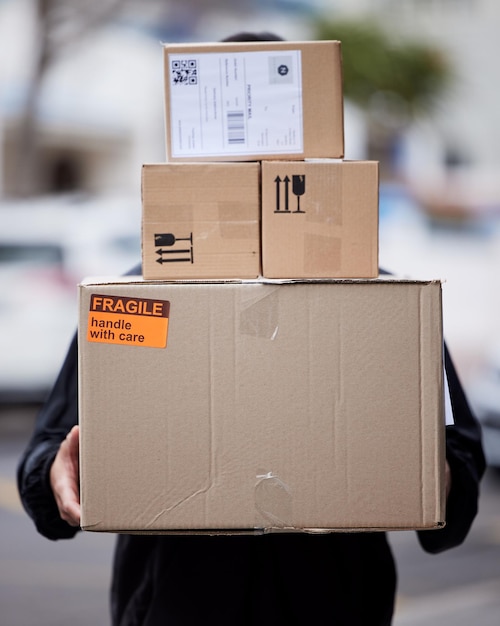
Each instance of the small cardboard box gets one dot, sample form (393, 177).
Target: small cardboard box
(201, 220)
(252, 101)
(260, 406)
(320, 219)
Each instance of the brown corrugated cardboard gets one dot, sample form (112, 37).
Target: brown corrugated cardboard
(320, 219)
(201, 220)
(250, 101)
(260, 406)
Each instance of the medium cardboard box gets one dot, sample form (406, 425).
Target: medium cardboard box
(201, 220)
(320, 219)
(260, 406)
(252, 101)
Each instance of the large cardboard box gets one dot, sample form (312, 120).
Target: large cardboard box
(201, 220)
(261, 406)
(250, 101)
(320, 219)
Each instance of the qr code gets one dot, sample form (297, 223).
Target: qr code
(184, 72)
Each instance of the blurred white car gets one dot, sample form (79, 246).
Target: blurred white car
(46, 247)
(484, 396)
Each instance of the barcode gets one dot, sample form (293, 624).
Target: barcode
(235, 127)
(184, 72)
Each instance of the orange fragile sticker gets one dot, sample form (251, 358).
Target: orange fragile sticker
(128, 321)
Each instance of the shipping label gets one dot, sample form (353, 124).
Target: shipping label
(128, 321)
(235, 103)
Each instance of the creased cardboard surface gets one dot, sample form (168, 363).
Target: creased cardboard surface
(297, 406)
(320, 219)
(200, 220)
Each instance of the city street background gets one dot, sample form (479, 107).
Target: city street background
(81, 110)
(45, 583)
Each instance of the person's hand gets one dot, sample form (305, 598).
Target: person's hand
(64, 478)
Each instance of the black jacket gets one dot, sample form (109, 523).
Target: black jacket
(339, 579)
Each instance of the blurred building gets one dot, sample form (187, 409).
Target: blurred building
(98, 113)
(99, 109)
(451, 156)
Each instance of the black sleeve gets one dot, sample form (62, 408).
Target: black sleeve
(465, 457)
(55, 419)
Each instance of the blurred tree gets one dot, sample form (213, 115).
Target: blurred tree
(63, 23)
(58, 23)
(394, 82)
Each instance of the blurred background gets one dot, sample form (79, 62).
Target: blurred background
(81, 109)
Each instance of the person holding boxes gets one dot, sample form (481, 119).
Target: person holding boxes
(256, 579)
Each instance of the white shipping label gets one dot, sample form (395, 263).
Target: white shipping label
(235, 103)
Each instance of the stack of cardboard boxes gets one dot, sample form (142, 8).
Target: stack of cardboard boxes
(260, 376)
(254, 183)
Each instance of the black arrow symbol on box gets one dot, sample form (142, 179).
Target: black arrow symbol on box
(162, 260)
(278, 182)
(186, 250)
(286, 180)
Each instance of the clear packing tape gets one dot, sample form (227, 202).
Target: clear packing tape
(273, 502)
